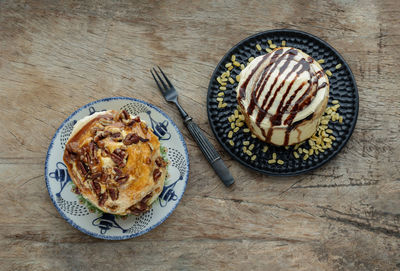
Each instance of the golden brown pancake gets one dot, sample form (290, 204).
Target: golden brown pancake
(115, 162)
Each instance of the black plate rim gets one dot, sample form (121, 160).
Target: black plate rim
(317, 165)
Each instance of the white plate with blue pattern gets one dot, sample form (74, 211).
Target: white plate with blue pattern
(107, 226)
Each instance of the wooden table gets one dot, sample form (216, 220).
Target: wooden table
(56, 57)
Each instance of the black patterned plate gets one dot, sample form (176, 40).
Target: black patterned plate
(342, 88)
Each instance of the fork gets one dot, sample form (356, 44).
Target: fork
(171, 95)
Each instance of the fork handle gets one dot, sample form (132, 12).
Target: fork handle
(209, 152)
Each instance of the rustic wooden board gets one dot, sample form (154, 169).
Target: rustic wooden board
(56, 57)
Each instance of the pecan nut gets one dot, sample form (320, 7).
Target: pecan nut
(114, 193)
(93, 153)
(123, 115)
(156, 174)
(160, 162)
(73, 147)
(131, 138)
(101, 135)
(147, 197)
(116, 136)
(120, 152)
(117, 159)
(96, 129)
(117, 171)
(101, 144)
(85, 156)
(105, 152)
(139, 208)
(96, 176)
(103, 178)
(121, 179)
(132, 121)
(102, 199)
(82, 168)
(118, 156)
(96, 187)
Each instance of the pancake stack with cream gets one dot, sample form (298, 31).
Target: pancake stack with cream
(115, 162)
(282, 95)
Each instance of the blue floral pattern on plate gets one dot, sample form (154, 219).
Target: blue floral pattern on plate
(108, 226)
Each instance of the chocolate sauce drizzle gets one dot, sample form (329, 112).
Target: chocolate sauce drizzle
(277, 58)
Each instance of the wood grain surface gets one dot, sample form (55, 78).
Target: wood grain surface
(57, 56)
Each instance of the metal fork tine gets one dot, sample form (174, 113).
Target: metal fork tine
(171, 95)
(166, 78)
(159, 86)
(162, 81)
